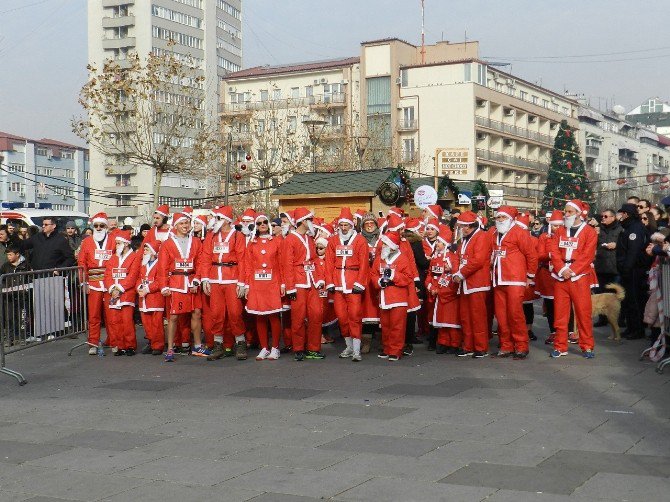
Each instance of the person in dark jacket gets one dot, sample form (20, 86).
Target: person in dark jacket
(413, 235)
(15, 299)
(605, 263)
(633, 264)
(49, 249)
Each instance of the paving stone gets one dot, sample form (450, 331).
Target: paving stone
(422, 390)
(97, 461)
(145, 385)
(163, 491)
(280, 497)
(198, 448)
(33, 433)
(404, 490)
(39, 499)
(108, 440)
(362, 411)
(630, 488)
(491, 433)
(615, 443)
(292, 393)
(189, 471)
(470, 451)
(291, 456)
(517, 496)
(384, 444)
(202, 428)
(17, 452)
(396, 427)
(486, 383)
(512, 477)
(644, 465)
(289, 436)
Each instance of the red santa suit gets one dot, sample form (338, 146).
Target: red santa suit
(328, 314)
(177, 272)
(221, 263)
(151, 306)
(426, 312)
(370, 301)
(474, 256)
(544, 283)
(393, 296)
(303, 279)
(347, 271)
(121, 274)
(93, 257)
(514, 261)
(574, 249)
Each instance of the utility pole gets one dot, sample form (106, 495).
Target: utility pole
(423, 35)
(229, 147)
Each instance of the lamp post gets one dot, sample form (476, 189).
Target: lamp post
(314, 130)
(229, 147)
(361, 143)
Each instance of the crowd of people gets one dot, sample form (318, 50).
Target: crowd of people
(218, 285)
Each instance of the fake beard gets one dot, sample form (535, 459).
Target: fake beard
(120, 248)
(347, 235)
(310, 228)
(285, 228)
(99, 235)
(217, 225)
(570, 221)
(146, 258)
(386, 252)
(247, 228)
(504, 226)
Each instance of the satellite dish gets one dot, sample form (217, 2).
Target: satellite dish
(619, 110)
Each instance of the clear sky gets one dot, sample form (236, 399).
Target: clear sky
(612, 51)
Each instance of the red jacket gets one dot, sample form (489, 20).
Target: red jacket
(576, 253)
(222, 258)
(121, 273)
(347, 263)
(264, 276)
(154, 234)
(445, 312)
(147, 278)
(474, 255)
(400, 273)
(176, 271)
(92, 258)
(514, 257)
(297, 256)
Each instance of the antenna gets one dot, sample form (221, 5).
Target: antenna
(423, 35)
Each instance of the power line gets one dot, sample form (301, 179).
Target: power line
(582, 55)
(20, 7)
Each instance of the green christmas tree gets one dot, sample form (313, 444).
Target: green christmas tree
(479, 188)
(566, 179)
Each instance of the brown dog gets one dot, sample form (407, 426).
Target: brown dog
(609, 305)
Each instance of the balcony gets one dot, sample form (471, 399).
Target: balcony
(242, 138)
(659, 168)
(332, 132)
(337, 99)
(117, 22)
(118, 43)
(409, 158)
(408, 125)
(513, 130)
(592, 151)
(628, 160)
(511, 160)
(116, 3)
(231, 109)
(122, 190)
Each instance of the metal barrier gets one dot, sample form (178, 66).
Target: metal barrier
(38, 307)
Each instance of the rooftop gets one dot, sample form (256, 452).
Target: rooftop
(261, 71)
(6, 140)
(365, 181)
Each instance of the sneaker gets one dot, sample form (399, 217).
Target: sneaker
(382, 356)
(115, 350)
(146, 349)
(502, 353)
(119, 352)
(184, 350)
(275, 353)
(241, 351)
(394, 358)
(31, 339)
(573, 338)
(228, 352)
(408, 350)
(92, 351)
(216, 353)
(557, 353)
(356, 357)
(262, 355)
(464, 353)
(532, 336)
(479, 354)
(588, 354)
(201, 351)
(156, 352)
(169, 356)
(441, 349)
(314, 355)
(299, 356)
(520, 355)
(286, 349)
(348, 352)
(130, 352)
(550, 339)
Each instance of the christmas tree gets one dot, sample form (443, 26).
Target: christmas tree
(566, 179)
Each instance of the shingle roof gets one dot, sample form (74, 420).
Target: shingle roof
(259, 71)
(365, 181)
(429, 180)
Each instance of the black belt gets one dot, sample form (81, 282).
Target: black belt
(435, 274)
(347, 268)
(224, 263)
(568, 261)
(545, 265)
(181, 272)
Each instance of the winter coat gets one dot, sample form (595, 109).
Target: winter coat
(606, 258)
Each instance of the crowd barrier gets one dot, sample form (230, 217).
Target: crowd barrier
(38, 307)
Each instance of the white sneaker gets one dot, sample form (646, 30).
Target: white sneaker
(263, 354)
(31, 339)
(356, 357)
(92, 351)
(348, 352)
(115, 350)
(274, 354)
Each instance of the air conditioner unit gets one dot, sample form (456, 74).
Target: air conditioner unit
(324, 80)
(532, 119)
(22, 194)
(508, 142)
(316, 81)
(344, 82)
(399, 106)
(481, 103)
(398, 81)
(482, 136)
(232, 89)
(509, 112)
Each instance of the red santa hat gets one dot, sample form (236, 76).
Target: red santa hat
(301, 213)
(326, 229)
(188, 212)
(433, 223)
(523, 220)
(163, 210)
(358, 215)
(290, 216)
(392, 240)
(576, 204)
(321, 241)
(444, 234)
(249, 214)
(123, 236)
(223, 212)
(467, 218)
(395, 210)
(394, 223)
(178, 217)
(585, 211)
(100, 218)
(153, 246)
(346, 216)
(413, 225)
(381, 224)
(435, 211)
(261, 217)
(556, 217)
(509, 211)
(202, 219)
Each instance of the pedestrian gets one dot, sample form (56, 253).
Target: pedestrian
(49, 249)
(643, 206)
(86, 233)
(649, 222)
(151, 302)
(544, 282)
(370, 303)
(160, 229)
(659, 216)
(4, 242)
(72, 235)
(276, 227)
(16, 298)
(605, 263)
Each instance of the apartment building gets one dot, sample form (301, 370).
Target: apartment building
(44, 171)
(653, 113)
(622, 157)
(208, 31)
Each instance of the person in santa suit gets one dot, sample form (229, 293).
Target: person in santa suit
(514, 261)
(572, 255)
(182, 341)
(221, 265)
(346, 279)
(286, 225)
(370, 303)
(151, 301)
(393, 275)
(429, 242)
(247, 225)
(474, 279)
(264, 287)
(200, 226)
(329, 318)
(529, 297)
(93, 257)
(433, 211)
(544, 282)
(414, 238)
(160, 228)
(303, 283)
(445, 314)
(121, 272)
(179, 280)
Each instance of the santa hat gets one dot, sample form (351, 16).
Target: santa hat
(100, 218)
(585, 210)
(444, 234)
(576, 204)
(202, 219)
(509, 211)
(345, 216)
(123, 236)
(523, 220)
(358, 215)
(301, 213)
(290, 216)
(413, 225)
(381, 224)
(467, 218)
(321, 241)
(556, 217)
(433, 223)
(435, 211)
(327, 229)
(153, 246)
(177, 217)
(249, 214)
(163, 210)
(395, 210)
(394, 223)
(261, 216)
(392, 240)
(224, 212)
(188, 212)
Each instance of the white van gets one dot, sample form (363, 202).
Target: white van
(29, 214)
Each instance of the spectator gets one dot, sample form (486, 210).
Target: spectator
(605, 264)
(23, 232)
(144, 229)
(643, 206)
(33, 230)
(4, 242)
(49, 249)
(113, 225)
(16, 304)
(12, 232)
(633, 199)
(276, 227)
(648, 221)
(14, 262)
(72, 235)
(633, 265)
(659, 216)
(87, 233)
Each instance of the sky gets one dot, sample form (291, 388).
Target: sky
(611, 51)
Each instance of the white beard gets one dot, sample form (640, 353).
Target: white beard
(310, 228)
(217, 225)
(99, 235)
(119, 249)
(347, 235)
(145, 259)
(386, 252)
(569, 221)
(285, 229)
(504, 226)
(245, 228)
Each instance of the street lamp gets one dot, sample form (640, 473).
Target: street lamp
(229, 148)
(314, 130)
(361, 143)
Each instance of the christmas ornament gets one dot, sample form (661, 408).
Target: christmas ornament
(578, 188)
(567, 132)
(248, 157)
(243, 167)
(665, 179)
(651, 178)
(621, 181)
(569, 164)
(238, 176)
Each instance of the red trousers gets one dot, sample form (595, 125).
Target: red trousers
(426, 314)
(309, 306)
(349, 312)
(286, 328)
(579, 294)
(225, 309)
(394, 322)
(450, 337)
(121, 328)
(512, 329)
(474, 311)
(208, 334)
(262, 322)
(96, 311)
(153, 329)
(183, 335)
(250, 333)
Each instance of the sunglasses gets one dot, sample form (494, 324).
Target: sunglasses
(320, 247)
(641, 206)
(644, 218)
(606, 216)
(265, 222)
(99, 225)
(48, 224)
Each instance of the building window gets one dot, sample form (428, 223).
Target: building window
(260, 126)
(17, 168)
(408, 150)
(404, 78)
(175, 16)
(481, 74)
(264, 95)
(226, 7)
(260, 155)
(467, 72)
(122, 180)
(523, 95)
(535, 100)
(545, 103)
(276, 94)
(87, 176)
(41, 151)
(309, 91)
(67, 154)
(295, 92)
(177, 37)
(379, 95)
(292, 124)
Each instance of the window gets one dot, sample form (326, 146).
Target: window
(122, 180)
(223, 44)
(379, 95)
(467, 72)
(260, 126)
(404, 78)
(295, 92)
(408, 150)
(276, 94)
(545, 103)
(336, 119)
(175, 16)
(87, 176)
(535, 100)
(481, 74)
(67, 154)
(192, 3)
(260, 155)
(226, 7)
(309, 91)
(42, 151)
(292, 124)
(17, 168)
(264, 95)
(177, 37)
(523, 95)
(234, 32)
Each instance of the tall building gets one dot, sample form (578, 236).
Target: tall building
(208, 31)
(654, 113)
(44, 171)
